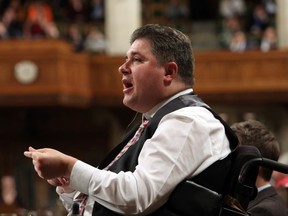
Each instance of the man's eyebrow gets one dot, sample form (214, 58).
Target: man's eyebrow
(132, 53)
(135, 53)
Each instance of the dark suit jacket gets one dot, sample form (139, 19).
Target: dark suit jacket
(267, 203)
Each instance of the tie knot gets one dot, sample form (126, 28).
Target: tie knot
(144, 123)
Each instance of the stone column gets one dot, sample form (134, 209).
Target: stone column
(122, 17)
(282, 23)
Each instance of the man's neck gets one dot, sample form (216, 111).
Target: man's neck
(151, 112)
(260, 182)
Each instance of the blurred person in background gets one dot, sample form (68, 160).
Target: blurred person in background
(232, 8)
(95, 42)
(75, 37)
(254, 133)
(238, 42)
(10, 25)
(39, 21)
(269, 39)
(176, 9)
(9, 200)
(229, 27)
(77, 11)
(96, 8)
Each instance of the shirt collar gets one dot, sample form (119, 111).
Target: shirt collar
(263, 187)
(151, 113)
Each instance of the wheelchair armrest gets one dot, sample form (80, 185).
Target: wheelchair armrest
(190, 198)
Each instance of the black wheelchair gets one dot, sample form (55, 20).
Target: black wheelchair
(193, 199)
(226, 187)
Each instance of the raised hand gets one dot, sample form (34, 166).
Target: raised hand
(50, 163)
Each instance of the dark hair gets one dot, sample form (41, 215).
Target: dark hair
(168, 45)
(254, 133)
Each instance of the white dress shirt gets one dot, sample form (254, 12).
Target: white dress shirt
(185, 143)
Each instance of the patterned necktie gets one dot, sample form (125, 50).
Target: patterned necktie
(82, 198)
(134, 139)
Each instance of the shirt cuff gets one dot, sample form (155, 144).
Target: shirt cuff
(66, 197)
(80, 176)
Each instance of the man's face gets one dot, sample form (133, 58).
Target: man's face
(142, 77)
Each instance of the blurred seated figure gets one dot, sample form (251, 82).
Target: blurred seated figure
(39, 21)
(19, 7)
(270, 7)
(230, 25)
(176, 9)
(75, 37)
(95, 41)
(231, 8)
(96, 10)
(260, 21)
(267, 201)
(77, 11)
(238, 42)
(10, 25)
(269, 39)
(9, 202)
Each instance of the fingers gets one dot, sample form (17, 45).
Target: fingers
(34, 155)
(29, 153)
(32, 152)
(64, 180)
(50, 163)
(55, 182)
(31, 148)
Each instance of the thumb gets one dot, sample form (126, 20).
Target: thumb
(30, 151)
(31, 148)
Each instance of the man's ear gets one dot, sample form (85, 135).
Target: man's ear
(171, 71)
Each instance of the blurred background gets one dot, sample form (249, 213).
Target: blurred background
(60, 86)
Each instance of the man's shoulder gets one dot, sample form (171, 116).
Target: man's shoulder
(268, 201)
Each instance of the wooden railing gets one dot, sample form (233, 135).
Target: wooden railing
(251, 76)
(63, 77)
(67, 78)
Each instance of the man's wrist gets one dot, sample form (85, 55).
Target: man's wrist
(70, 164)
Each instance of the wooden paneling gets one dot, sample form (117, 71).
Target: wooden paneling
(106, 80)
(67, 78)
(221, 77)
(243, 77)
(63, 76)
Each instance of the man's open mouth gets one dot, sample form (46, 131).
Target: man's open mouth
(127, 84)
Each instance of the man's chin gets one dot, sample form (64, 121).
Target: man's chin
(128, 103)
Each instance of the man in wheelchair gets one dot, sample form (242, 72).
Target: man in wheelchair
(247, 189)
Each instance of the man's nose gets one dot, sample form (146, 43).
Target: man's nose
(124, 69)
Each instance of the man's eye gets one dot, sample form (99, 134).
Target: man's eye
(137, 60)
